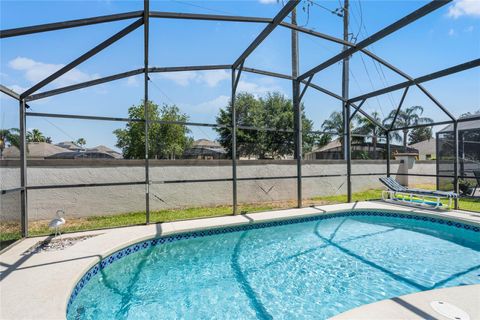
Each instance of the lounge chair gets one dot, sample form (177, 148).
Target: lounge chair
(407, 195)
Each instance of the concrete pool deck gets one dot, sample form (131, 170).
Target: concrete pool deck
(38, 285)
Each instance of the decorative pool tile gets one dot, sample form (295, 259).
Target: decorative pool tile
(93, 271)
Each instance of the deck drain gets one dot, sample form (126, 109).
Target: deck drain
(449, 310)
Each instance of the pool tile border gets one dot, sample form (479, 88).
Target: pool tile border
(93, 271)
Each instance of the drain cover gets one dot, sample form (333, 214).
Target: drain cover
(449, 310)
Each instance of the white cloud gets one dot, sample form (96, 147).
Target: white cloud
(451, 32)
(35, 71)
(212, 106)
(17, 88)
(132, 81)
(212, 78)
(180, 78)
(268, 1)
(257, 89)
(469, 29)
(464, 8)
(209, 78)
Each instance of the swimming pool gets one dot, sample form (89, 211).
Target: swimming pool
(312, 267)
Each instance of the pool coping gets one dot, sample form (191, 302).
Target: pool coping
(55, 274)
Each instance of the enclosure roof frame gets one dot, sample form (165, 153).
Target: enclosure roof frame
(272, 23)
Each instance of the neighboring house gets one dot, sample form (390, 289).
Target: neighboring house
(81, 155)
(360, 150)
(70, 145)
(35, 151)
(206, 150)
(107, 150)
(44, 150)
(468, 150)
(426, 149)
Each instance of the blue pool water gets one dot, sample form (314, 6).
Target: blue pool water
(313, 269)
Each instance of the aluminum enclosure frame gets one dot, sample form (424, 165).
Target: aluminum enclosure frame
(142, 19)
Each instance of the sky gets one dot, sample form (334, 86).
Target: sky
(446, 37)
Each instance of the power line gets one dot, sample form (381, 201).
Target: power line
(336, 11)
(201, 7)
(161, 91)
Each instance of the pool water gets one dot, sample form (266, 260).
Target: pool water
(313, 269)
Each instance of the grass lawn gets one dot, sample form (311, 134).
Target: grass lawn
(9, 231)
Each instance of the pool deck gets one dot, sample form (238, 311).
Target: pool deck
(38, 285)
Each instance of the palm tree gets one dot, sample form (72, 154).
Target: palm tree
(80, 142)
(335, 124)
(35, 136)
(409, 117)
(367, 127)
(10, 137)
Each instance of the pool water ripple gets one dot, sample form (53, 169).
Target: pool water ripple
(312, 269)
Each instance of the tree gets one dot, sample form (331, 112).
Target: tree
(335, 124)
(409, 117)
(37, 136)
(367, 127)
(165, 141)
(81, 142)
(273, 111)
(469, 114)
(420, 134)
(9, 138)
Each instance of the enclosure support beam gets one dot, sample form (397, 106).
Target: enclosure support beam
(392, 125)
(289, 6)
(345, 104)
(235, 80)
(417, 14)
(388, 153)
(124, 75)
(297, 109)
(23, 168)
(9, 92)
(455, 161)
(68, 24)
(432, 76)
(207, 17)
(83, 57)
(146, 27)
(437, 159)
(83, 85)
(356, 110)
(424, 125)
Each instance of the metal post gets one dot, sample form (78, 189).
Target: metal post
(388, 153)
(346, 105)
(455, 163)
(145, 108)
(437, 158)
(348, 154)
(297, 110)
(23, 168)
(234, 144)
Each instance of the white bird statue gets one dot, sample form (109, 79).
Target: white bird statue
(57, 222)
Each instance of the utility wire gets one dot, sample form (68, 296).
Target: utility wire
(201, 7)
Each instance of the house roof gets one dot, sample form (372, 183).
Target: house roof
(205, 143)
(425, 146)
(35, 150)
(332, 144)
(464, 125)
(68, 145)
(81, 155)
(107, 150)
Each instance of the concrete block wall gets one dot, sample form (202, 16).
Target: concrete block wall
(92, 201)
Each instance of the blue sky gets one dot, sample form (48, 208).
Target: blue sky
(449, 36)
